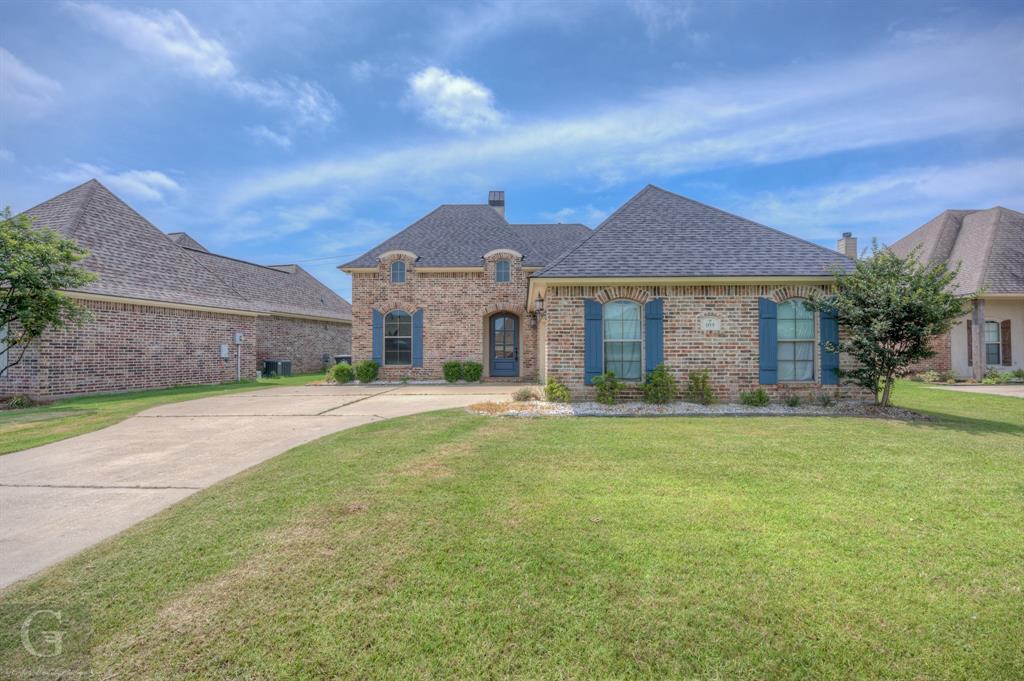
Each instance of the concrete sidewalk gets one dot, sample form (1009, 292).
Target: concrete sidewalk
(63, 497)
(1005, 389)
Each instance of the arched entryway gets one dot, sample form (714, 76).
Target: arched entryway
(503, 341)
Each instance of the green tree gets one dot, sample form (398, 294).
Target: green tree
(35, 265)
(889, 308)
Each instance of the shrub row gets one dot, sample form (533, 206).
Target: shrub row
(467, 371)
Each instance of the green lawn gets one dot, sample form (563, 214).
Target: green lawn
(24, 428)
(452, 545)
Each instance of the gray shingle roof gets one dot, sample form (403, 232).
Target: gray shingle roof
(183, 239)
(460, 235)
(988, 245)
(660, 234)
(134, 259)
(287, 289)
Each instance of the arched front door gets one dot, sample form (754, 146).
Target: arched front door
(504, 345)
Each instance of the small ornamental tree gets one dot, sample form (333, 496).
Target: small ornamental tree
(35, 265)
(890, 307)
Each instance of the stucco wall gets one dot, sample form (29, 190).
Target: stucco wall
(996, 310)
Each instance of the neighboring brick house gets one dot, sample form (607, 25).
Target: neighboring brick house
(988, 246)
(663, 280)
(165, 310)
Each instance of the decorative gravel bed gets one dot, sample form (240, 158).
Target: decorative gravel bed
(840, 408)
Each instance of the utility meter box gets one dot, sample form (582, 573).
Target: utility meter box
(224, 351)
(238, 337)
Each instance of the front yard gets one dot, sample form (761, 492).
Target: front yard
(455, 545)
(34, 426)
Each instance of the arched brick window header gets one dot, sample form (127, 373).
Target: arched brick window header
(634, 293)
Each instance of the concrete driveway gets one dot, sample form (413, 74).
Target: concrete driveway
(60, 498)
(1005, 389)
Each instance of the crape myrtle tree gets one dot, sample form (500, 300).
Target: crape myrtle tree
(889, 308)
(35, 265)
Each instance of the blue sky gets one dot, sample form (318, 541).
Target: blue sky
(307, 132)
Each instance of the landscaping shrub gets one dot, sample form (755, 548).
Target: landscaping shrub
(993, 377)
(472, 371)
(1018, 373)
(17, 402)
(556, 392)
(366, 371)
(826, 400)
(755, 398)
(793, 401)
(699, 388)
(342, 373)
(928, 377)
(608, 387)
(524, 395)
(660, 387)
(452, 371)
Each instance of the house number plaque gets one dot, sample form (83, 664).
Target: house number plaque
(710, 324)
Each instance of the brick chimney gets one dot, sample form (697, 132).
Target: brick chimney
(848, 245)
(496, 200)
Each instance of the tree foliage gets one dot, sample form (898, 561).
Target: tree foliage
(889, 308)
(36, 264)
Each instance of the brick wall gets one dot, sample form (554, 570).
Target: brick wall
(457, 307)
(730, 355)
(133, 347)
(303, 341)
(943, 358)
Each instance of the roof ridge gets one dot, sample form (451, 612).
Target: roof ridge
(228, 257)
(597, 229)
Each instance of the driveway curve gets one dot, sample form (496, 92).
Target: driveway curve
(61, 498)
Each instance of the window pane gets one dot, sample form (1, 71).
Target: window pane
(398, 272)
(991, 353)
(623, 359)
(398, 323)
(397, 351)
(786, 371)
(787, 352)
(991, 332)
(503, 270)
(804, 371)
(804, 351)
(804, 329)
(622, 320)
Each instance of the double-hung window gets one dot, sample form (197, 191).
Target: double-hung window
(992, 343)
(796, 341)
(398, 272)
(622, 339)
(503, 271)
(397, 338)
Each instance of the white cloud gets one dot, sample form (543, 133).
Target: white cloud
(265, 134)
(662, 16)
(465, 25)
(148, 185)
(892, 203)
(24, 90)
(890, 96)
(588, 215)
(451, 101)
(169, 37)
(6, 155)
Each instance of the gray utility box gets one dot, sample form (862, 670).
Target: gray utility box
(277, 367)
(343, 359)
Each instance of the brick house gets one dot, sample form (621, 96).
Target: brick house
(663, 280)
(988, 246)
(166, 312)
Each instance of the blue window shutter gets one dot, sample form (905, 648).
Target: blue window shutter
(829, 360)
(654, 332)
(593, 361)
(417, 338)
(768, 337)
(378, 337)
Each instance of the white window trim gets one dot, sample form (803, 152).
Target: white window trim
(642, 340)
(384, 343)
(815, 378)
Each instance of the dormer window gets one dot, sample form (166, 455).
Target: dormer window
(503, 271)
(398, 272)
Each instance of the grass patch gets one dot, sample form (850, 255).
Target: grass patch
(454, 545)
(34, 426)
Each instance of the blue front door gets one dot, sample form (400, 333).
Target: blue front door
(504, 345)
